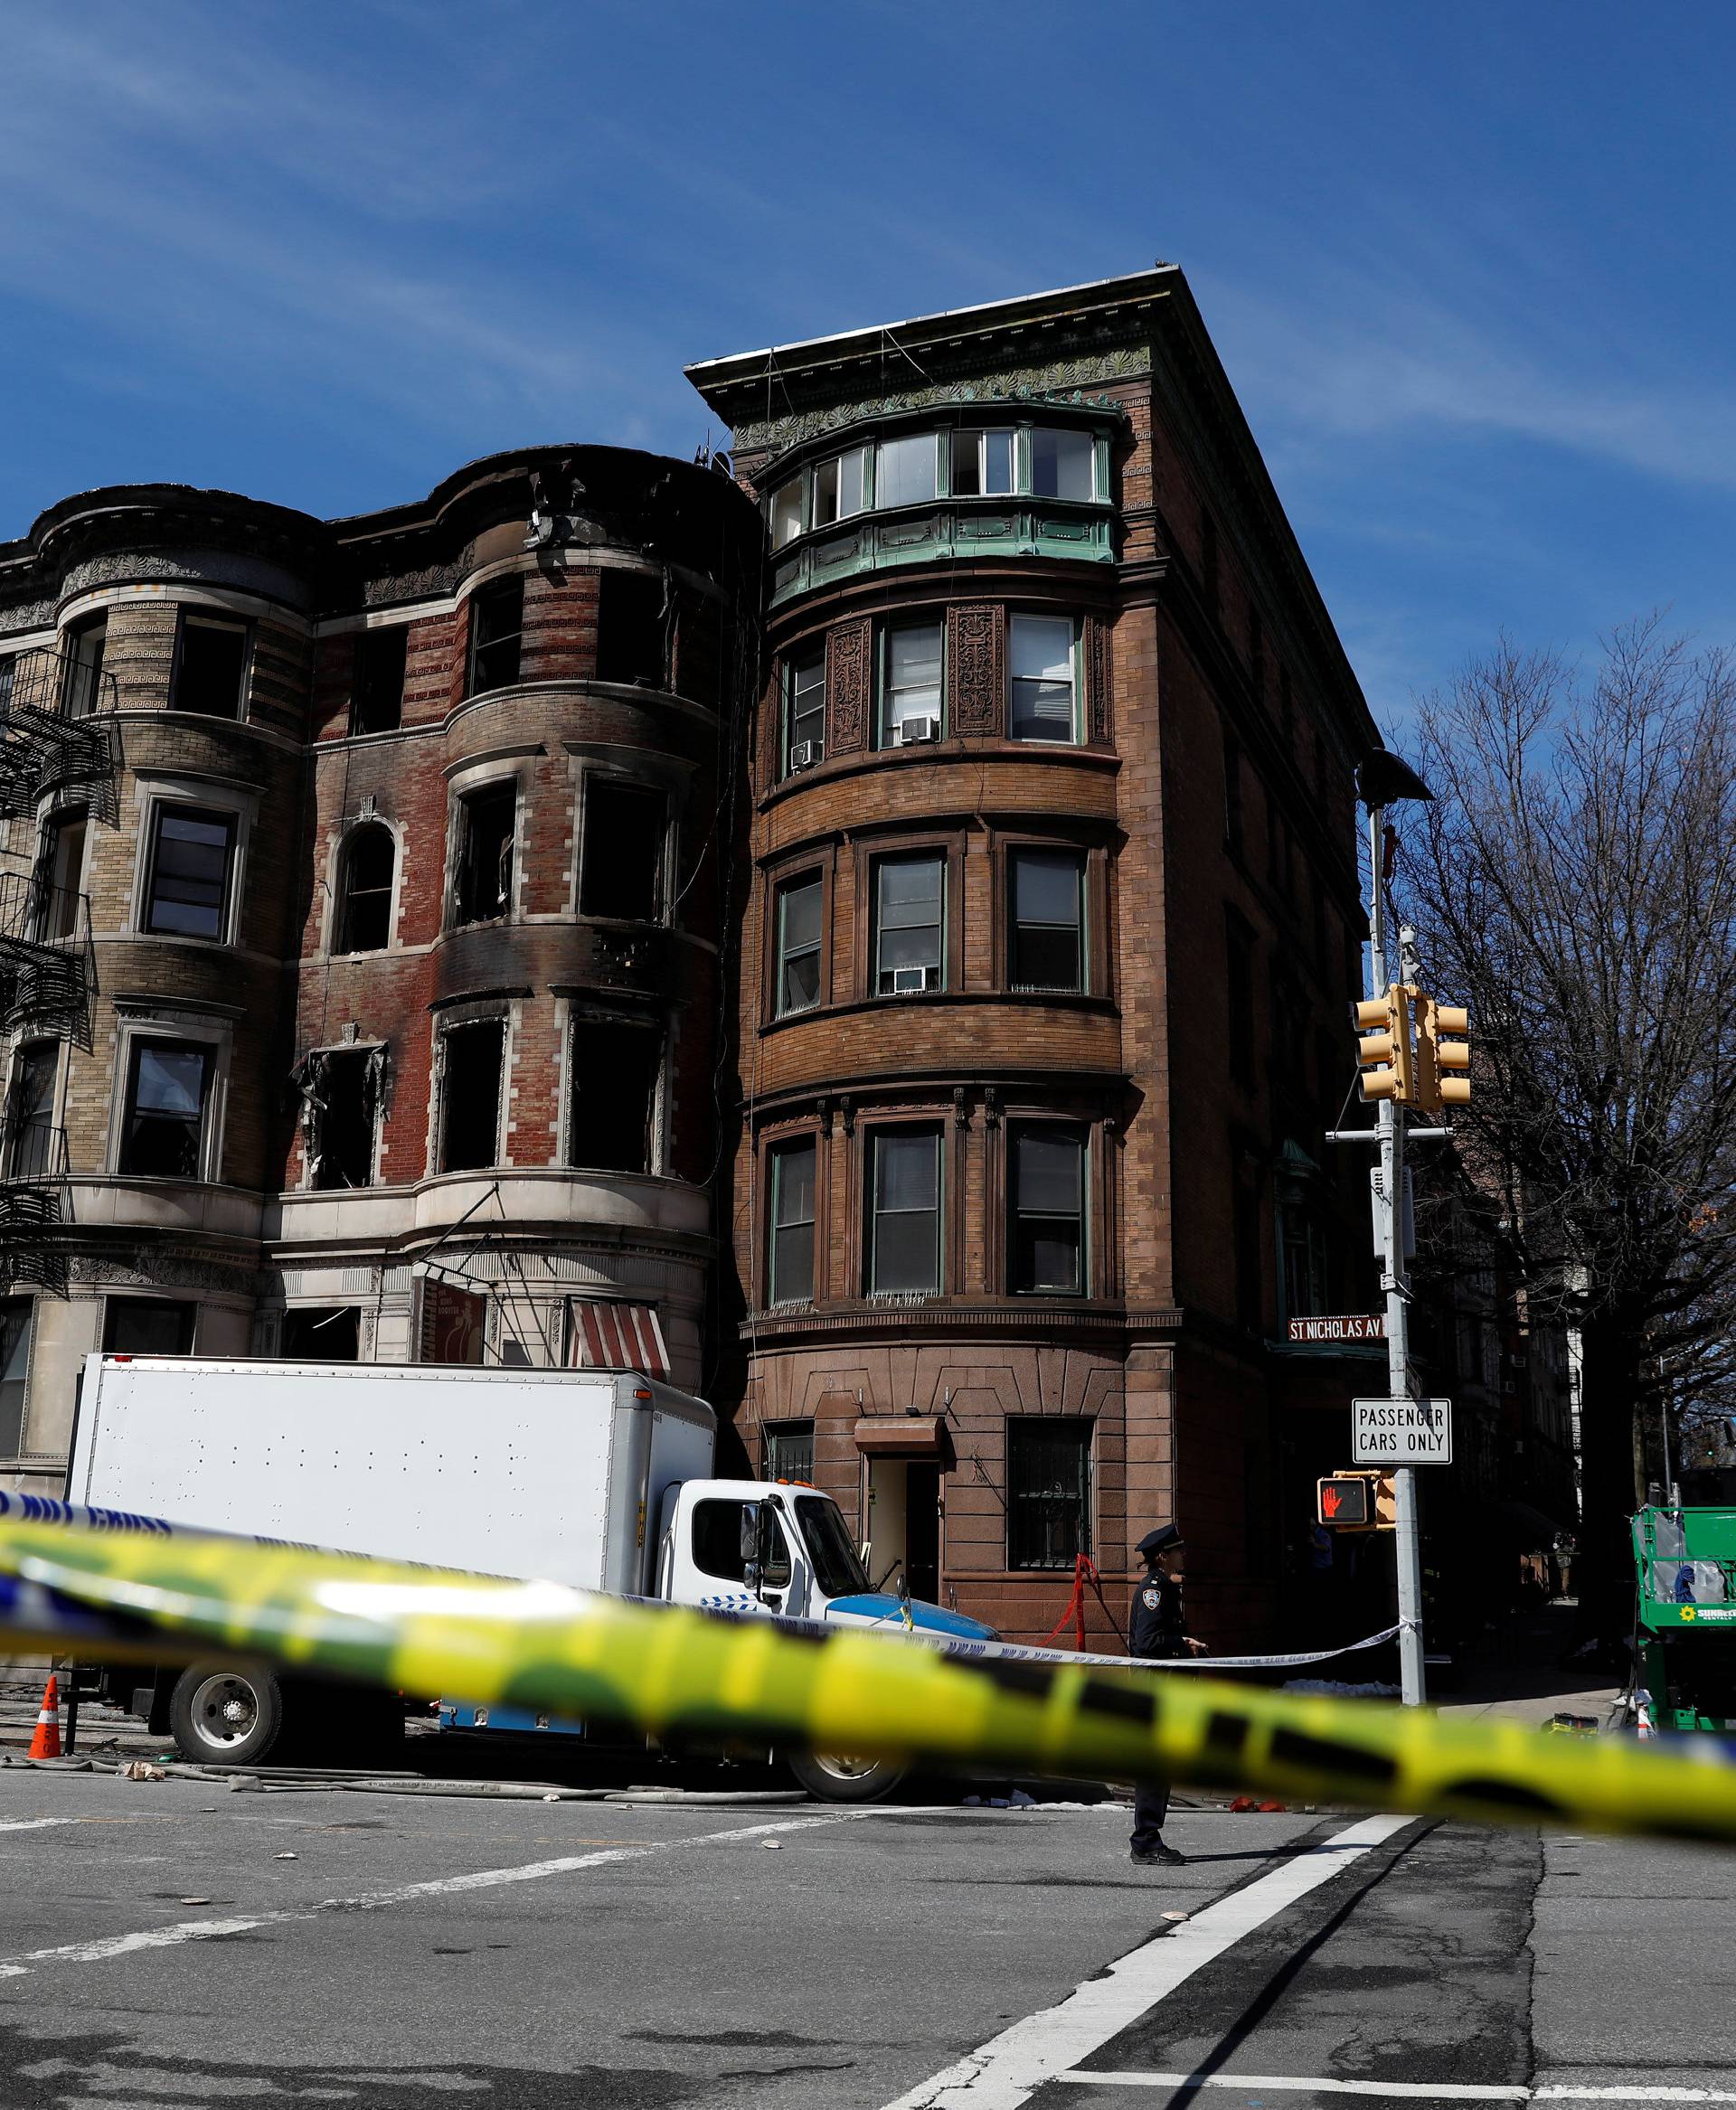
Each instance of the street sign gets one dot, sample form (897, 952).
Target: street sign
(1401, 1432)
(1351, 1326)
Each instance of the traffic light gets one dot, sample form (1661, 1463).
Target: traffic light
(1344, 1499)
(1385, 1047)
(1441, 1060)
(1386, 1503)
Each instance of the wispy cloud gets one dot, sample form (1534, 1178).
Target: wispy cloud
(1363, 359)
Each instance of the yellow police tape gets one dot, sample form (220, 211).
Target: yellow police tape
(682, 1675)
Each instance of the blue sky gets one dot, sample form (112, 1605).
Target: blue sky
(1467, 268)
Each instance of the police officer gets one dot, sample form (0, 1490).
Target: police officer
(1156, 1630)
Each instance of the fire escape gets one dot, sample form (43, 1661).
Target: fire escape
(59, 743)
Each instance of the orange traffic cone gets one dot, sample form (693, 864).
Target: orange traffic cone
(46, 1742)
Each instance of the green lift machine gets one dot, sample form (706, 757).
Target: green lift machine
(1685, 1627)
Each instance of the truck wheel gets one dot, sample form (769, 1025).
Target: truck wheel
(832, 1777)
(224, 1717)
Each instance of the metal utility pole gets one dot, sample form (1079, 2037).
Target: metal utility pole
(1388, 1224)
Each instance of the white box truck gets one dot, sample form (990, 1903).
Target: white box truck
(601, 1481)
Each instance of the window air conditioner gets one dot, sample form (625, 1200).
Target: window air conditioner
(913, 729)
(805, 753)
(905, 980)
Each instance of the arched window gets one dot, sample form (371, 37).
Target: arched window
(364, 890)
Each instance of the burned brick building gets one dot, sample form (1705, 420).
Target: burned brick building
(359, 923)
(1055, 918)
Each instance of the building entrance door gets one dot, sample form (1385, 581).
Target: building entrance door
(922, 1530)
(904, 1525)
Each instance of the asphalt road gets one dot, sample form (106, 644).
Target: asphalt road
(157, 1949)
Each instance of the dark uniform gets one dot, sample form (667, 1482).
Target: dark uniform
(1156, 1629)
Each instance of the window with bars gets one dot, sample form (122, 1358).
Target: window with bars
(792, 1222)
(1042, 656)
(1046, 897)
(1048, 1491)
(799, 904)
(789, 1450)
(910, 925)
(1046, 1210)
(904, 1212)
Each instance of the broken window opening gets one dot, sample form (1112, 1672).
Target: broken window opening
(614, 1071)
(83, 653)
(377, 691)
(342, 1091)
(474, 1071)
(322, 1333)
(60, 868)
(364, 890)
(147, 1325)
(210, 666)
(631, 611)
(623, 854)
(487, 821)
(496, 629)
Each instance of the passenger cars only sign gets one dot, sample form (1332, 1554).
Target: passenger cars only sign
(1401, 1432)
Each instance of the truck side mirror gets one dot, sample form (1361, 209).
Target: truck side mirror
(750, 1546)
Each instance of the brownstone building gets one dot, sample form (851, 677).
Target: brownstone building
(359, 923)
(1053, 920)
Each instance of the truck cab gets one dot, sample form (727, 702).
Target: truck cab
(779, 1549)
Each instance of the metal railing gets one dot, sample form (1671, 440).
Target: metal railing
(58, 731)
(48, 964)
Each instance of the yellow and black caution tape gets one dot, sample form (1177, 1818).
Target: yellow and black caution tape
(130, 1588)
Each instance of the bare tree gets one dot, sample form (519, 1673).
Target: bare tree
(1574, 881)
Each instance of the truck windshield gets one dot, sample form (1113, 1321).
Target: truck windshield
(835, 1567)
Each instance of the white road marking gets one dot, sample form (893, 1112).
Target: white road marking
(204, 1930)
(1409, 2091)
(1009, 2068)
(1431, 2091)
(34, 1824)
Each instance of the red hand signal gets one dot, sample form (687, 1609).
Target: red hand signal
(1330, 1502)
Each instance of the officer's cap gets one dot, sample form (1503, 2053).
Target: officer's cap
(1161, 1541)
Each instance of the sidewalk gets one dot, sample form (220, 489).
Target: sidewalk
(1519, 1673)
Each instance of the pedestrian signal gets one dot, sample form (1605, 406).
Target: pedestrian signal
(1344, 1499)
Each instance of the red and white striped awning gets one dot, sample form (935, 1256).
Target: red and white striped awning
(618, 1336)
